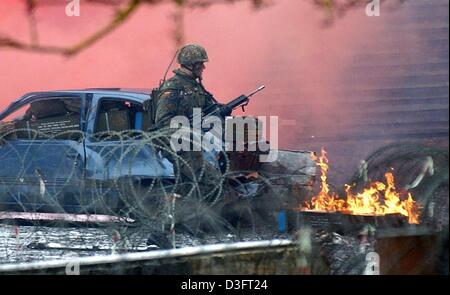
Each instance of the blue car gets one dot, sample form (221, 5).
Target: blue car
(76, 151)
(88, 151)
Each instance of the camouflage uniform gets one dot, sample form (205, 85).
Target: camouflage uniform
(177, 97)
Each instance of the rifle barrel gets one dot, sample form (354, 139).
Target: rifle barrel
(257, 90)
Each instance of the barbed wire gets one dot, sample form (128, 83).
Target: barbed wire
(118, 210)
(100, 181)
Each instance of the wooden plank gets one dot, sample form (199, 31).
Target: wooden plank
(387, 117)
(390, 80)
(370, 137)
(423, 67)
(408, 255)
(66, 217)
(376, 131)
(257, 257)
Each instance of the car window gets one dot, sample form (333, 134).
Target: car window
(119, 119)
(56, 118)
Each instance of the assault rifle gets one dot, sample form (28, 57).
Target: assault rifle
(226, 109)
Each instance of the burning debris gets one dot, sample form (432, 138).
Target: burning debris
(344, 255)
(377, 199)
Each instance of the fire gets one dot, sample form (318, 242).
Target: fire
(377, 199)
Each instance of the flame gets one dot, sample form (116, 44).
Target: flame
(324, 201)
(377, 199)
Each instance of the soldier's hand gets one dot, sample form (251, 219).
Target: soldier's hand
(225, 111)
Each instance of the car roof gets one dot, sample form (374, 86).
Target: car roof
(140, 94)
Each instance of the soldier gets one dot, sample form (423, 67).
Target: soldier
(185, 91)
(177, 97)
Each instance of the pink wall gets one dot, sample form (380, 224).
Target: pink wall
(284, 47)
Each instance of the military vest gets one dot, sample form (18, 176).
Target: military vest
(191, 93)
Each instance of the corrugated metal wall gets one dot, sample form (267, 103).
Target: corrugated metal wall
(396, 89)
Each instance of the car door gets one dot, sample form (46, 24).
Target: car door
(117, 156)
(42, 159)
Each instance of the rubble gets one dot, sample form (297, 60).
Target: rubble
(343, 254)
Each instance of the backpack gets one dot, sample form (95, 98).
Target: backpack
(151, 104)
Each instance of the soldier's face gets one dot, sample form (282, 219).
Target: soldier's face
(198, 69)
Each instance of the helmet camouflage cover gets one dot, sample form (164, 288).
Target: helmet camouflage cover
(191, 54)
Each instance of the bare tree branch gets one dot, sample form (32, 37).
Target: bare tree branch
(333, 9)
(34, 37)
(178, 18)
(121, 16)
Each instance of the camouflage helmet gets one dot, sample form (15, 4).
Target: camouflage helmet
(190, 54)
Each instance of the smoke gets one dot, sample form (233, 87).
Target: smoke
(308, 69)
(283, 46)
